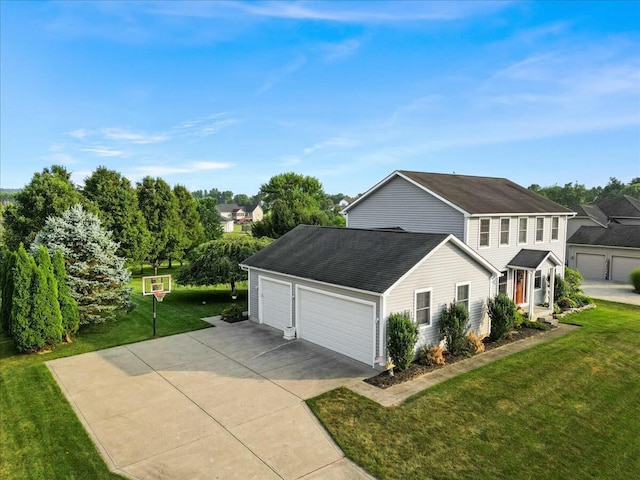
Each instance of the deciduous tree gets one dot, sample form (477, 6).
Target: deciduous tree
(210, 218)
(190, 233)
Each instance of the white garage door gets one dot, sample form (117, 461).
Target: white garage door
(338, 323)
(590, 266)
(275, 303)
(621, 268)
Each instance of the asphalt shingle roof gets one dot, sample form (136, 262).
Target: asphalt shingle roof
(527, 258)
(485, 195)
(592, 211)
(614, 236)
(617, 207)
(370, 260)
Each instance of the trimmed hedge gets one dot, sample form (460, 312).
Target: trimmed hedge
(401, 341)
(635, 280)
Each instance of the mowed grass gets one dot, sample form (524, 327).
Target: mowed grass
(40, 435)
(567, 409)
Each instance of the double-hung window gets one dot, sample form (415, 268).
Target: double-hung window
(485, 231)
(462, 294)
(522, 230)
(555, 228)
(539, 229)
(537, 280)
(505, 224)
(502, 282)
(423, 307)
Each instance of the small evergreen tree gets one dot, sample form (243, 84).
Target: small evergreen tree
(24, 336)
(454, 321)
(6, 279)
(68, 306)
(45, 309)
(403, 335)
(97, 277)
(502, 311)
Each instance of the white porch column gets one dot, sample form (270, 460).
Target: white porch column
(530, 293)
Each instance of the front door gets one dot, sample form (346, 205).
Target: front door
(519, 289)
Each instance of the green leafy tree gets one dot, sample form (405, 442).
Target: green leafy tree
(68, 306)
(119, 212)
(209, 218)
(191, 233)
(50, 192)
(292, 186)
(96, 276)
(218, 261)
(242, 199)
(159, 208)
(45, 306)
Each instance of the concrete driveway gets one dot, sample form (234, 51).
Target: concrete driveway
(614, 292)
(223, 403)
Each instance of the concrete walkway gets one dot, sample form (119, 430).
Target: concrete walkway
(223, 403)
(399, 393)
(614, 292)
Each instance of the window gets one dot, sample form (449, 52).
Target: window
(502, 282)
(539, 229)
(537, 280)
(485, 228)
(522, 230)
(423, 307)
(505, 223)
(555, 228)
(462, 294)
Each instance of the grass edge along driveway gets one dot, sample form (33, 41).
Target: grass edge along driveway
(40, 435)
(565, 409)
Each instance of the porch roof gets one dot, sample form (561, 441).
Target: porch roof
(528, 259)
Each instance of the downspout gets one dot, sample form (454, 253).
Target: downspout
(380, 357)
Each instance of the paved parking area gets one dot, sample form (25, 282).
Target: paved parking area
(223, 403)
(614, 292)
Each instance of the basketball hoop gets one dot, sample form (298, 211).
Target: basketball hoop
(159, 295)
(158, 286)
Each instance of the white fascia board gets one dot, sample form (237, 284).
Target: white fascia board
(528, 214)
(346, 209)
(601, 246)
(442, 199)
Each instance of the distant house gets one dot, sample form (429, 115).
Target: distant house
(227, 225)
(518, 231)
(604, 239)
(240, 214)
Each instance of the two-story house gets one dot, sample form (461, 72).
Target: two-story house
(240, 214)
(517, 230)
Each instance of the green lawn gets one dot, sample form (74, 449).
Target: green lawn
(40, 435)
(566, 409)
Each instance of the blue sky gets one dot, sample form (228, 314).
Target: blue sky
(228, 94)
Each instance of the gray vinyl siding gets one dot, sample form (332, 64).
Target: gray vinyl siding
(501, 255)
(576, 223)
(441, 272)
(402, 204)
(254, 274)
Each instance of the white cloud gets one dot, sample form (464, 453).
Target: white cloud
(330, 143)
(122, 134)
(102, 151)
(79, 133)
(282, 73)
(337, 51)
(206, 126)
(191, 167)
(61, 158)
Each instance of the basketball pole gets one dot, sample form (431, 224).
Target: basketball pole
(155, 300)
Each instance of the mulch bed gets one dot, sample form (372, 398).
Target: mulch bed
(384, 380)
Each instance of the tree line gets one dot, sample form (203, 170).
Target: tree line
(573, 194)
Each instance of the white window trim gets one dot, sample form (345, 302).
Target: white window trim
(488, 245)
(461, 284)
(506, 281)
(415, 307)
(557, 239)
(500, 244)
(536, 237)
(534, 280)
(526, 236)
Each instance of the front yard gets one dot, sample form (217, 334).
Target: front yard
(565, 409)
(40, 435)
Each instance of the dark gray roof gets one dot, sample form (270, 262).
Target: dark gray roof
(370, 260)
(531, 259)
(620, 207)
(592, 211)
(478, 195)
(227, 207)
(614, 236)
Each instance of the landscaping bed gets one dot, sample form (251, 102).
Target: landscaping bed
(416, 369)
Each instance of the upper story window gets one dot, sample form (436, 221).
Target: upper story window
(485, 231)
(423, 307)
(539, 229)
(522, 230)
(555, 228)
(462, 294)
(505, 223)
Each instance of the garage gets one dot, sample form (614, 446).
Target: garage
(339, 323)
(274, 303)
(621, 267)
(591, 266)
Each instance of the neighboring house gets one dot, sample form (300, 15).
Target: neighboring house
(604, 239)
(518, 231)
(240, 214)
(337, 286)
(227, 225)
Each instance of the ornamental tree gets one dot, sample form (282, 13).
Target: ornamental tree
(97, 277)
(68, 305)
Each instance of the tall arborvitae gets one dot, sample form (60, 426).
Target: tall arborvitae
(24, 337)
(68, 306)
(6, 283)
(46, 308)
